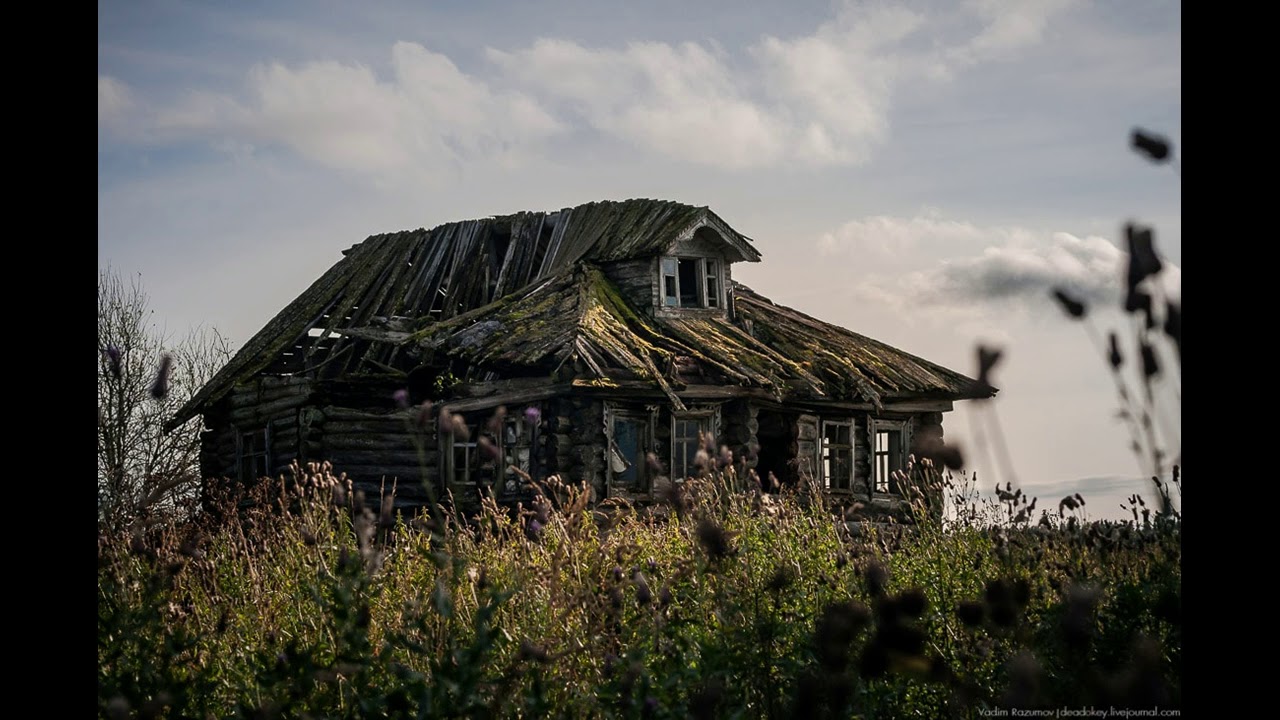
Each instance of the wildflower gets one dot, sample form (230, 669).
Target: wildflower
(987, 359)
(726, 457)
(1073, 307)
(651, 459)
(912, 602)
(532, 415)
(454, 423)
(1153, 146)
(401, 397)
(714, 539)
(1143, 261)
(971, 613)
(702, 461)
(782, 578)
(489, 448)
(836, 630)
(496, 419)
(160, 387)
(877, 576)
(529, 651)
(643, 594)
(533, 530)
(113, 361)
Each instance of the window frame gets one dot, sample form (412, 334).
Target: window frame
(824, 447)
(881, 481)
(707, 269)
(474, 465)
(262, 433)
(647, 419)
(712, 418)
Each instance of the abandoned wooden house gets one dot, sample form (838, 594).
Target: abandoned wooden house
(612, 334)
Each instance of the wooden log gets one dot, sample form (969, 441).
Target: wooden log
(335, 413)
(406, 473)
(375, 442)
(243, 399)
(389, 457)
(372, 427)
(258, 414)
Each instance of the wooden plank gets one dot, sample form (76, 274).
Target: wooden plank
(373, 442)
(258, 414)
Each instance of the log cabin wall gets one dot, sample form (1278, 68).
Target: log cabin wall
(270, 404)
(739, 425)
(380, 448)
(637, 280)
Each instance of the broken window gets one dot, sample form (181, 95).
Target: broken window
(888, 454)
(472, 455)
(690, 432)
(253, 453)
(518, 438)
(492, 449)
(837, 455)
(690, 282)
(630, 441)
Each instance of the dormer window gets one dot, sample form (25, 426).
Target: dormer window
(691, 282)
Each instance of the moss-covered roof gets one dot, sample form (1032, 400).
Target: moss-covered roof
(395, 283)
(580, 317)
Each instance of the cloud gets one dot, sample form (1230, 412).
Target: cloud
(973, 264)
(1008, 26)
(682, 100)
(343, 116)
(817, 99)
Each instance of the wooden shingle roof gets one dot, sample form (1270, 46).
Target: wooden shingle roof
(416, 278)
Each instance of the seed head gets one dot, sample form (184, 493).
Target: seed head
(1147, 143)
(1070, 305)
(113, 361)
(160, 387)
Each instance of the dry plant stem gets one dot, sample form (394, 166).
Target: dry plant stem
(1131, 412)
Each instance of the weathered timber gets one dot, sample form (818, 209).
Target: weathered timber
(404, 443)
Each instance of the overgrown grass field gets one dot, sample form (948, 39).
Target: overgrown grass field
(723, 602)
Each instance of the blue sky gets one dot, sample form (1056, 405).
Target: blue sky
(918, 172)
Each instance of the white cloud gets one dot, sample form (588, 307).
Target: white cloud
(970, 263)
(819, 99)
(679, 100)
(345, 117)
(888, 237)
(1009, 25)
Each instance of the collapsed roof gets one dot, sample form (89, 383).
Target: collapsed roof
(463, 286)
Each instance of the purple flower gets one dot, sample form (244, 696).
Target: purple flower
(534, 530)
(113, 358)
(401, 397)
(532, 415)
(160, 387)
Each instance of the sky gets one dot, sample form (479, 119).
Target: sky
(919, 172)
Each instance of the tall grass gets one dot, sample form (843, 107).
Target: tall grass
(298, 600)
